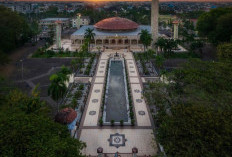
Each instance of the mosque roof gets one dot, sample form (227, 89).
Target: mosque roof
(116, 24)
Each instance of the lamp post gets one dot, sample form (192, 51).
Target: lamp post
(22, 68)
(100, 151)
(134, 152)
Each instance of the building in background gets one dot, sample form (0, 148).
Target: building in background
(49, 24)
(24, 8)
(81, 21)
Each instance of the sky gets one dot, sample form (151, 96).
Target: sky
(138, 0)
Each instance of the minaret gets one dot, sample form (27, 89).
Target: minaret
(176, 24)
(78, 21)
(154, 20)
(58, 34)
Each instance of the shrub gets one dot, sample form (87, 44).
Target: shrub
(74, 103)
(132, 122)
(121, 122)
(78, 94)
(112, 122)
(50, 53)
(100, 122)
(87, 71)
(146, 72)
(81, 87)
(132, 115)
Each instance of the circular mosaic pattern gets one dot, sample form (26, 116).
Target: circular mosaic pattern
(95, 100)
(141, 113)
(92, 113)
(136, 91)
(132, 71)
(139, 100)
(102, 66)
(117, 140)
(97, 90)
(100, 71)
(102, 62)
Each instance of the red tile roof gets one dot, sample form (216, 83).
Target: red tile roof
(175, 22)
(66, 116)
(116, 24)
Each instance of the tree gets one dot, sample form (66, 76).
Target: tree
(14, 30)
(33, 133)
(63, 73)
(159, 61)
(215, 25)
(195, 132)
(35, 30)
(57, 88)
(193, 111)
(145, 38)
(3, 58)
(160, 43)
(166, 45)
(224, 52)
(197, 46)
(89, 36)
(223, 31)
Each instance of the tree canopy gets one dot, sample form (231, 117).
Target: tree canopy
(225, 52)
(194, 111)
(216, 25)
(14, 30)
(145, 38)
(26, 130)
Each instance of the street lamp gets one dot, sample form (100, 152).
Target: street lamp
(22, 68)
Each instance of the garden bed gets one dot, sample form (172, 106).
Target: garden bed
(145, 64)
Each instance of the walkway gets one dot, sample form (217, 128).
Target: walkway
(117, 139)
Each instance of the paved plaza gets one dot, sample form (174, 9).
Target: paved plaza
(118, 138)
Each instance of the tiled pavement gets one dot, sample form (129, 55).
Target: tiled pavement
(140, 136)
(143, 139)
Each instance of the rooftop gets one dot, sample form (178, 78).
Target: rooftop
(55, 19)
(66, 116)
(116, 24)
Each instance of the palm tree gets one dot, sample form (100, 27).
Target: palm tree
(145, 38)
(89, 36)
(64, 72)
(160, 43)
(57, 88)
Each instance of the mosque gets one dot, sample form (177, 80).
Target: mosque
(118, 33)
(112, 33)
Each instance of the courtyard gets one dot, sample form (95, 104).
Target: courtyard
(117, 138)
